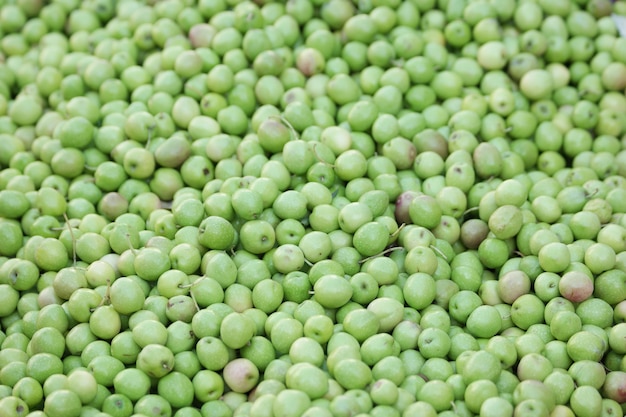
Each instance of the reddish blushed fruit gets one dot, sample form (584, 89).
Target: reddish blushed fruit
(576, 286)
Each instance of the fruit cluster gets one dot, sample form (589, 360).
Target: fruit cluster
(311, 208)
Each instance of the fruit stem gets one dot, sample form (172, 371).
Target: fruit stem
(150, 130)
(290, 126)
(191, 284)
(283, 120)
(107, 295)
(386, 251)
(470, 210)
(193, 298)
(130, 244)
(436, 249)
(397, 231)
(69, 227)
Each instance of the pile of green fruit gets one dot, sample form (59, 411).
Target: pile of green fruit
(312, 208)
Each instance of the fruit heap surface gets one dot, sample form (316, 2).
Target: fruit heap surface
(385, 208)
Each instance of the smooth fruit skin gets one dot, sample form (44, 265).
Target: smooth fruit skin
(312, 208)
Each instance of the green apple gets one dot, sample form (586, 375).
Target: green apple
(155, 360)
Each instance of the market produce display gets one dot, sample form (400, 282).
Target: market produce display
(312, 208)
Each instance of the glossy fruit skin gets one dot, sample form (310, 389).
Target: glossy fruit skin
(312, 208)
